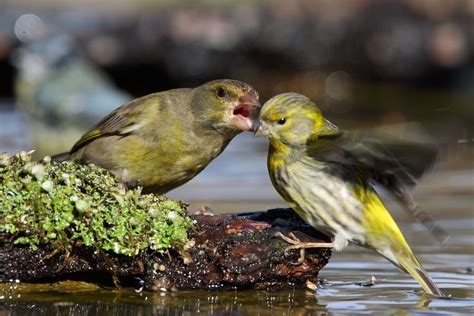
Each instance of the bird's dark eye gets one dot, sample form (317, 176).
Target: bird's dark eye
(221, 92)
(282, 121)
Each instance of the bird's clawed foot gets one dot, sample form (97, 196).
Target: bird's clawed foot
(296, 243)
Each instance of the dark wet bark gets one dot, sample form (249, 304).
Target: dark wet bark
(237, 251)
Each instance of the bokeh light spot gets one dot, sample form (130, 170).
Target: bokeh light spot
(339, 85)
(29, 27)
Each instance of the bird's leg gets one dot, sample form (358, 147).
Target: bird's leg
(296, 243)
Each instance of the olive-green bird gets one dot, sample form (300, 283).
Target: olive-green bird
(162, 140)
(328, 178)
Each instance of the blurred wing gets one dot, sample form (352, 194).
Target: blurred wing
(397, 166)
(390, 155)
(391, 162)
(122, 121)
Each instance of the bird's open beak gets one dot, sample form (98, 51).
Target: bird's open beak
(245, 113)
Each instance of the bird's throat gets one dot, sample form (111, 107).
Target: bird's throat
(281, 154)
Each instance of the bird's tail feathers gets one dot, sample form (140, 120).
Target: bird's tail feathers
(408, 262)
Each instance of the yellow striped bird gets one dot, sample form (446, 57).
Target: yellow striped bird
(328, 178)
(162, 140)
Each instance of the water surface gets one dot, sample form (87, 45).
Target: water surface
(238, 181)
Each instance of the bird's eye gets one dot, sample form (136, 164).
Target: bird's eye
(221, 92)
(282, 121)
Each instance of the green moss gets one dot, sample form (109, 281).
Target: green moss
(67, 204)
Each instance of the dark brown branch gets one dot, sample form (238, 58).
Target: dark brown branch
(237, 251)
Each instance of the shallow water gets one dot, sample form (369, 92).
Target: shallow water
(238, 181)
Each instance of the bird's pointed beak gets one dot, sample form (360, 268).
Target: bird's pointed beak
(261, 130)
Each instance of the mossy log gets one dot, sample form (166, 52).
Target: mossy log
(237, 251)
(63, 221)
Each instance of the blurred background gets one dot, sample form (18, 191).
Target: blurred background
(65, 64)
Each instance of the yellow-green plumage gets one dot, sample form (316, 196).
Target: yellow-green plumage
(328, 180)
(163, 140)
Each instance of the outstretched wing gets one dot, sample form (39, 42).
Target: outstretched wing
(394, 163)
(390, 163)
